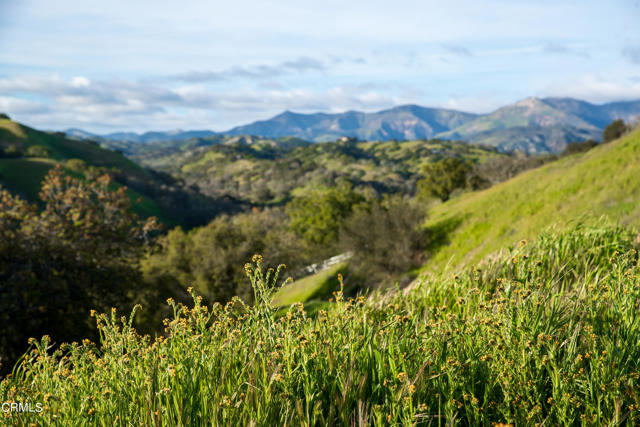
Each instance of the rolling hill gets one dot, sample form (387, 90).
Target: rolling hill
(601, 182)
(17, 139)
(26, 156)
(264, 171)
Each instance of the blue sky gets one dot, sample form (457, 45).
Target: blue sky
(142, 65)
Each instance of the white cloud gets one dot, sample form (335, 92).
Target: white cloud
(12, 105)
(480, 104)
(98, 105)
(80, 81)
(262, 71)
(595, 88)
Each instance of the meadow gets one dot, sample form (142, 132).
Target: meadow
(548, 333)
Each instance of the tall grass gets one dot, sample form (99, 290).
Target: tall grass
(547, 334)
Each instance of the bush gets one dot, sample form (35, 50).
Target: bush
(76, 165)
(579, 147)
(443, 177)
(37, 151)
(614, 131)
(78, 253)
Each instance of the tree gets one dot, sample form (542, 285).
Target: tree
(37, 151)
(443, 177)
(78, 254)
(212, 258)
(614, 131)
(384, 236)
(317, 216)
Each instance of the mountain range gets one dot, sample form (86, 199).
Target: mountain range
(534, 125)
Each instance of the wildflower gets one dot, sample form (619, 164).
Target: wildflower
(401, 376)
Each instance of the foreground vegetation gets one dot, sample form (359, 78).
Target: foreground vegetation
(548, 333)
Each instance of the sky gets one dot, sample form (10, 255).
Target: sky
(140, 65)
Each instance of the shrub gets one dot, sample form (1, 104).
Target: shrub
(443, 177)
(37, 151)
(614, 131)
(579, 147)
(78, 253)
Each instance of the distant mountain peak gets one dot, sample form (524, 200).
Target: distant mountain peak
(530, 102)
(531, 124)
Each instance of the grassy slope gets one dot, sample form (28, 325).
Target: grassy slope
(550, 339)
(309, 287)
(604, 181)
(24, 175)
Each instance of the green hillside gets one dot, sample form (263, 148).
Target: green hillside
(22, 137)
(603, 181)
(263, 172)
(26, 155)
(316, 285)
(24, 175)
